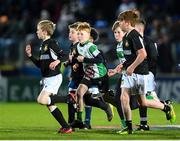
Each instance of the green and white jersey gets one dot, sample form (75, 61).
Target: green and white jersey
(120, 53)
(90, 50)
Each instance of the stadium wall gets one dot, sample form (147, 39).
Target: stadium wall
(27, 89)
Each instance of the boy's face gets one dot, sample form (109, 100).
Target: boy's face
(40, 33)
(123, 25)
(118, 34)
(73, 36)
(83, 36)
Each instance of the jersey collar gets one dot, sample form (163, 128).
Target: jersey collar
(85, 43)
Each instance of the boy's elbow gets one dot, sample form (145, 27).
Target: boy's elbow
(144, 54)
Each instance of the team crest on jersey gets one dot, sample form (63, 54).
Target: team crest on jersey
(45, 48)
(126, 44)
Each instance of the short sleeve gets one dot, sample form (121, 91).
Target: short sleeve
(137, 41)
(94, 50)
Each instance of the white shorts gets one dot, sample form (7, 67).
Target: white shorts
(52, 84)
(136, 83)
(93, 90)
(151, 84)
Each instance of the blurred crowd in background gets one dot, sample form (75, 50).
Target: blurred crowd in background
(18, 19)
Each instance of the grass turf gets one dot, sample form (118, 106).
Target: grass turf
(31, 121)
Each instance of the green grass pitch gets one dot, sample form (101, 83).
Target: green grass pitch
(31, 121)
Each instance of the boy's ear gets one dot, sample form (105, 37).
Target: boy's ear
(45, 32)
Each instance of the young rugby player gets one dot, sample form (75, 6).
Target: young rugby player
(134, 80)
(118, 34)
(95, 71)
(76, 73)
(76, 76)
(49, 63)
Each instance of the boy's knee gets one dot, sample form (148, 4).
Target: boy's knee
(41, 101)
(80, 95)
(38, 100)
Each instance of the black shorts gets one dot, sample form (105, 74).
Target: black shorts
(102, 83)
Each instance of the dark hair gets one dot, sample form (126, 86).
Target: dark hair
(94, 34)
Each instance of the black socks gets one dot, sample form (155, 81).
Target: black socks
(59, 117)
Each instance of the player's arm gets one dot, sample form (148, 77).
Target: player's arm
(35, 61)
(97, 57)
(71, 60)
(56, 51)
(53, 64)
(56, 54)
(152, 52)
(31, 57)
(141, 55)
(138, 45)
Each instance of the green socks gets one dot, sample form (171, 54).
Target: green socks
(123, 123)
(79, 116)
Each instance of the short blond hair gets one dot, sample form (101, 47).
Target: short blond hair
(84, 26)
(130, 15)
(48, 26)
(115, 25)
(74, 25)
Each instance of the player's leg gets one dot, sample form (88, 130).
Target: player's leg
(72, 109)
(125, 100)
(99, 103)
(87, 121)
(150, 86)
(142, 112)
(71, 106)
(128, 84)
(81, 90)
(57, 114)
(44, 97)
(150, 94)
(118, 103)
(51, 86)
(103, 86)
(109, 98)
(168, 109)
(143, 119)
(72, 103)
(153, 103)
(48, 95)
(88, 109)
